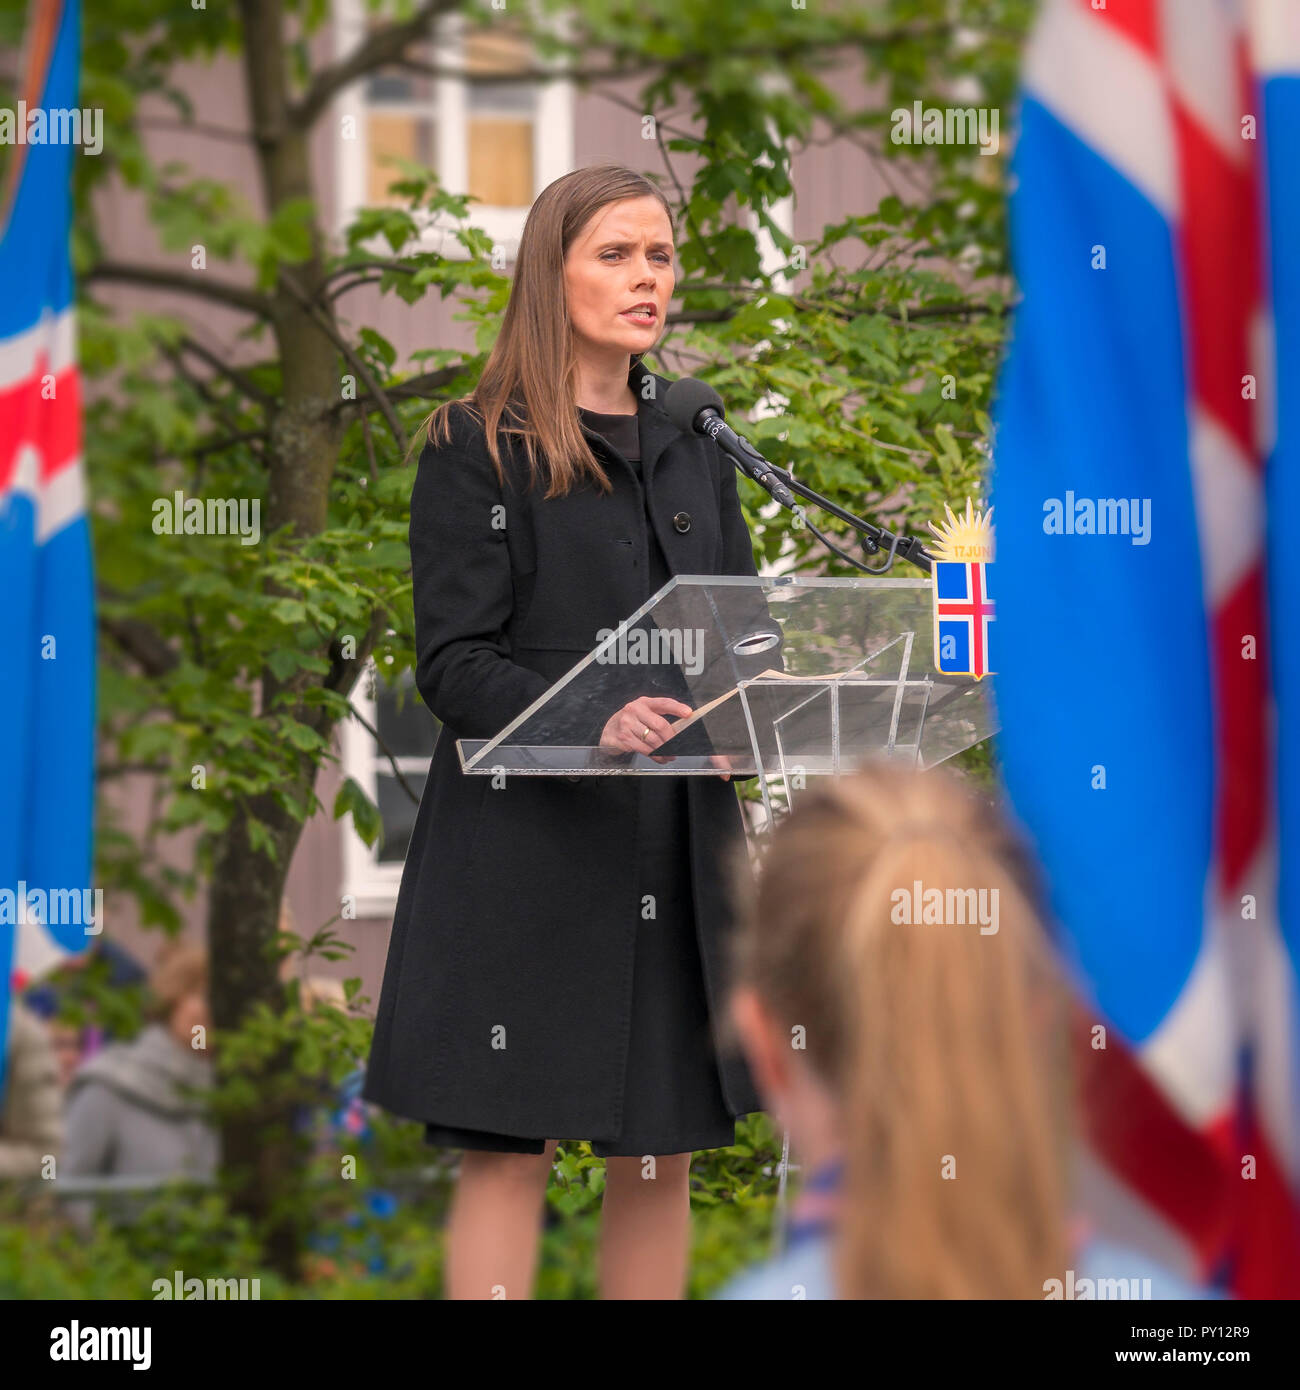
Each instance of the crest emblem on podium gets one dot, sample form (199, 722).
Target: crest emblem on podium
(964, 606)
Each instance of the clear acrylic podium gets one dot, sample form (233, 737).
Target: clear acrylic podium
(787, 675)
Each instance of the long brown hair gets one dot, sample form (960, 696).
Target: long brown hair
(531, 373)
(942, 1045)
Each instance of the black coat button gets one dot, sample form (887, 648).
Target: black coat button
(682, 521)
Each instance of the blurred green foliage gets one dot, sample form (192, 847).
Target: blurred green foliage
(374, 1250)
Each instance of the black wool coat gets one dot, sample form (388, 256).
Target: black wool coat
(507, 994)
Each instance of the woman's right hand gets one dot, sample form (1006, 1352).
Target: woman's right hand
(640, 726)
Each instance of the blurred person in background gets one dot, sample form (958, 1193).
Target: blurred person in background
(920, 1067)
(70, 1050)
(134, 1109)
(113, 968)
(31, 1125)
(117, 965)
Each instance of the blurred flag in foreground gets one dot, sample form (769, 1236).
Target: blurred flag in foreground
(1145, 478)
(46, 604)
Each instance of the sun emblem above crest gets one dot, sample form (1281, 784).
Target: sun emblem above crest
(967, 538)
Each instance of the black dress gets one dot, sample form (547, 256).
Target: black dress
(672, 1096)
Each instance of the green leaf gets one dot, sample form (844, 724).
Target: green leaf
(259, 838)
(365, 814)
(283, 661)
(290, 611)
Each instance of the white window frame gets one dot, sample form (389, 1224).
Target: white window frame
(371, 884)
(553, 138)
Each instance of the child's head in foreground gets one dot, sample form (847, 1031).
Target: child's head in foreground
(898, 1005)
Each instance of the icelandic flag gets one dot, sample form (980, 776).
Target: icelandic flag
(47, 612)
(1151, 743)
(964, 611)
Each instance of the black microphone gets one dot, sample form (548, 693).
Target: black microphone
(696, 408)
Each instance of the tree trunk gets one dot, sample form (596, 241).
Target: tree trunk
(261, 1170)
(261, 1162)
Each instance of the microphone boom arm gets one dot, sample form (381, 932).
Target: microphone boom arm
(875, 538)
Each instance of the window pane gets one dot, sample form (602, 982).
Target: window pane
(502, 98)
(501, 161)
(391, 87)
(397, 811)
(408, 732)
(407, 137)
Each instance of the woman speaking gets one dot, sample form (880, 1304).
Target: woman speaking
(556, 966)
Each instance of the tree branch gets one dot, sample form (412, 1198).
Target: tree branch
(155, 277)
(412, 389)
(215, 132)
(370, 263)
(340, 290)
(416, 386)
(204, 391)
(387, 752)
(378, 49)
(233, 374)
(361, 278)
(103, 771)
(384, 405)
(218, 446)
(641, 67)
(146, 647)
(345, 670)
(846, 311)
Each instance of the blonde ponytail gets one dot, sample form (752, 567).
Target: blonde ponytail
(938, 1039)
